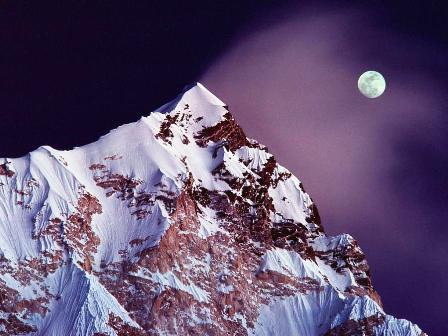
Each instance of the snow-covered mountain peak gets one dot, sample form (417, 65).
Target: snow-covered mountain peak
(198, 92)
(175, 224)
(196, 96)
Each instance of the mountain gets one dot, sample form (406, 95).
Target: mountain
(177, 224)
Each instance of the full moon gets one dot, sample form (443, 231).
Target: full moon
(371, 84)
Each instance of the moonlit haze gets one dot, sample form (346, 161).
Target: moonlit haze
(366, 162)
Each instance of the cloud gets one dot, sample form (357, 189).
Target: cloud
(377, 168)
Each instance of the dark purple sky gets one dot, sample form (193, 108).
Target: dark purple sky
(376, 168)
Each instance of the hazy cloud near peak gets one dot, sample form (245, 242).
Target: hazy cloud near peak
(375, 167)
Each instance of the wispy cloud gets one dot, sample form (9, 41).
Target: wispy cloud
(377, 168)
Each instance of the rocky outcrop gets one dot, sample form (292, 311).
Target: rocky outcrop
(363, 326)
(5, 171)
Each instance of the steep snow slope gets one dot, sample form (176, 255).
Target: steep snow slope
(176, 224)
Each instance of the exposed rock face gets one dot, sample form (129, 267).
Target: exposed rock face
(177, 224)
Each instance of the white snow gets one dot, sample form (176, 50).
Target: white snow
(290, 263)
(171, 280)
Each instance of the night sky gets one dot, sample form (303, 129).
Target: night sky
(377, 169)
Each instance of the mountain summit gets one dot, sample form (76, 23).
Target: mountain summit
(177, 224)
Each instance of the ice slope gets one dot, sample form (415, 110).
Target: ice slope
(175, 224)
